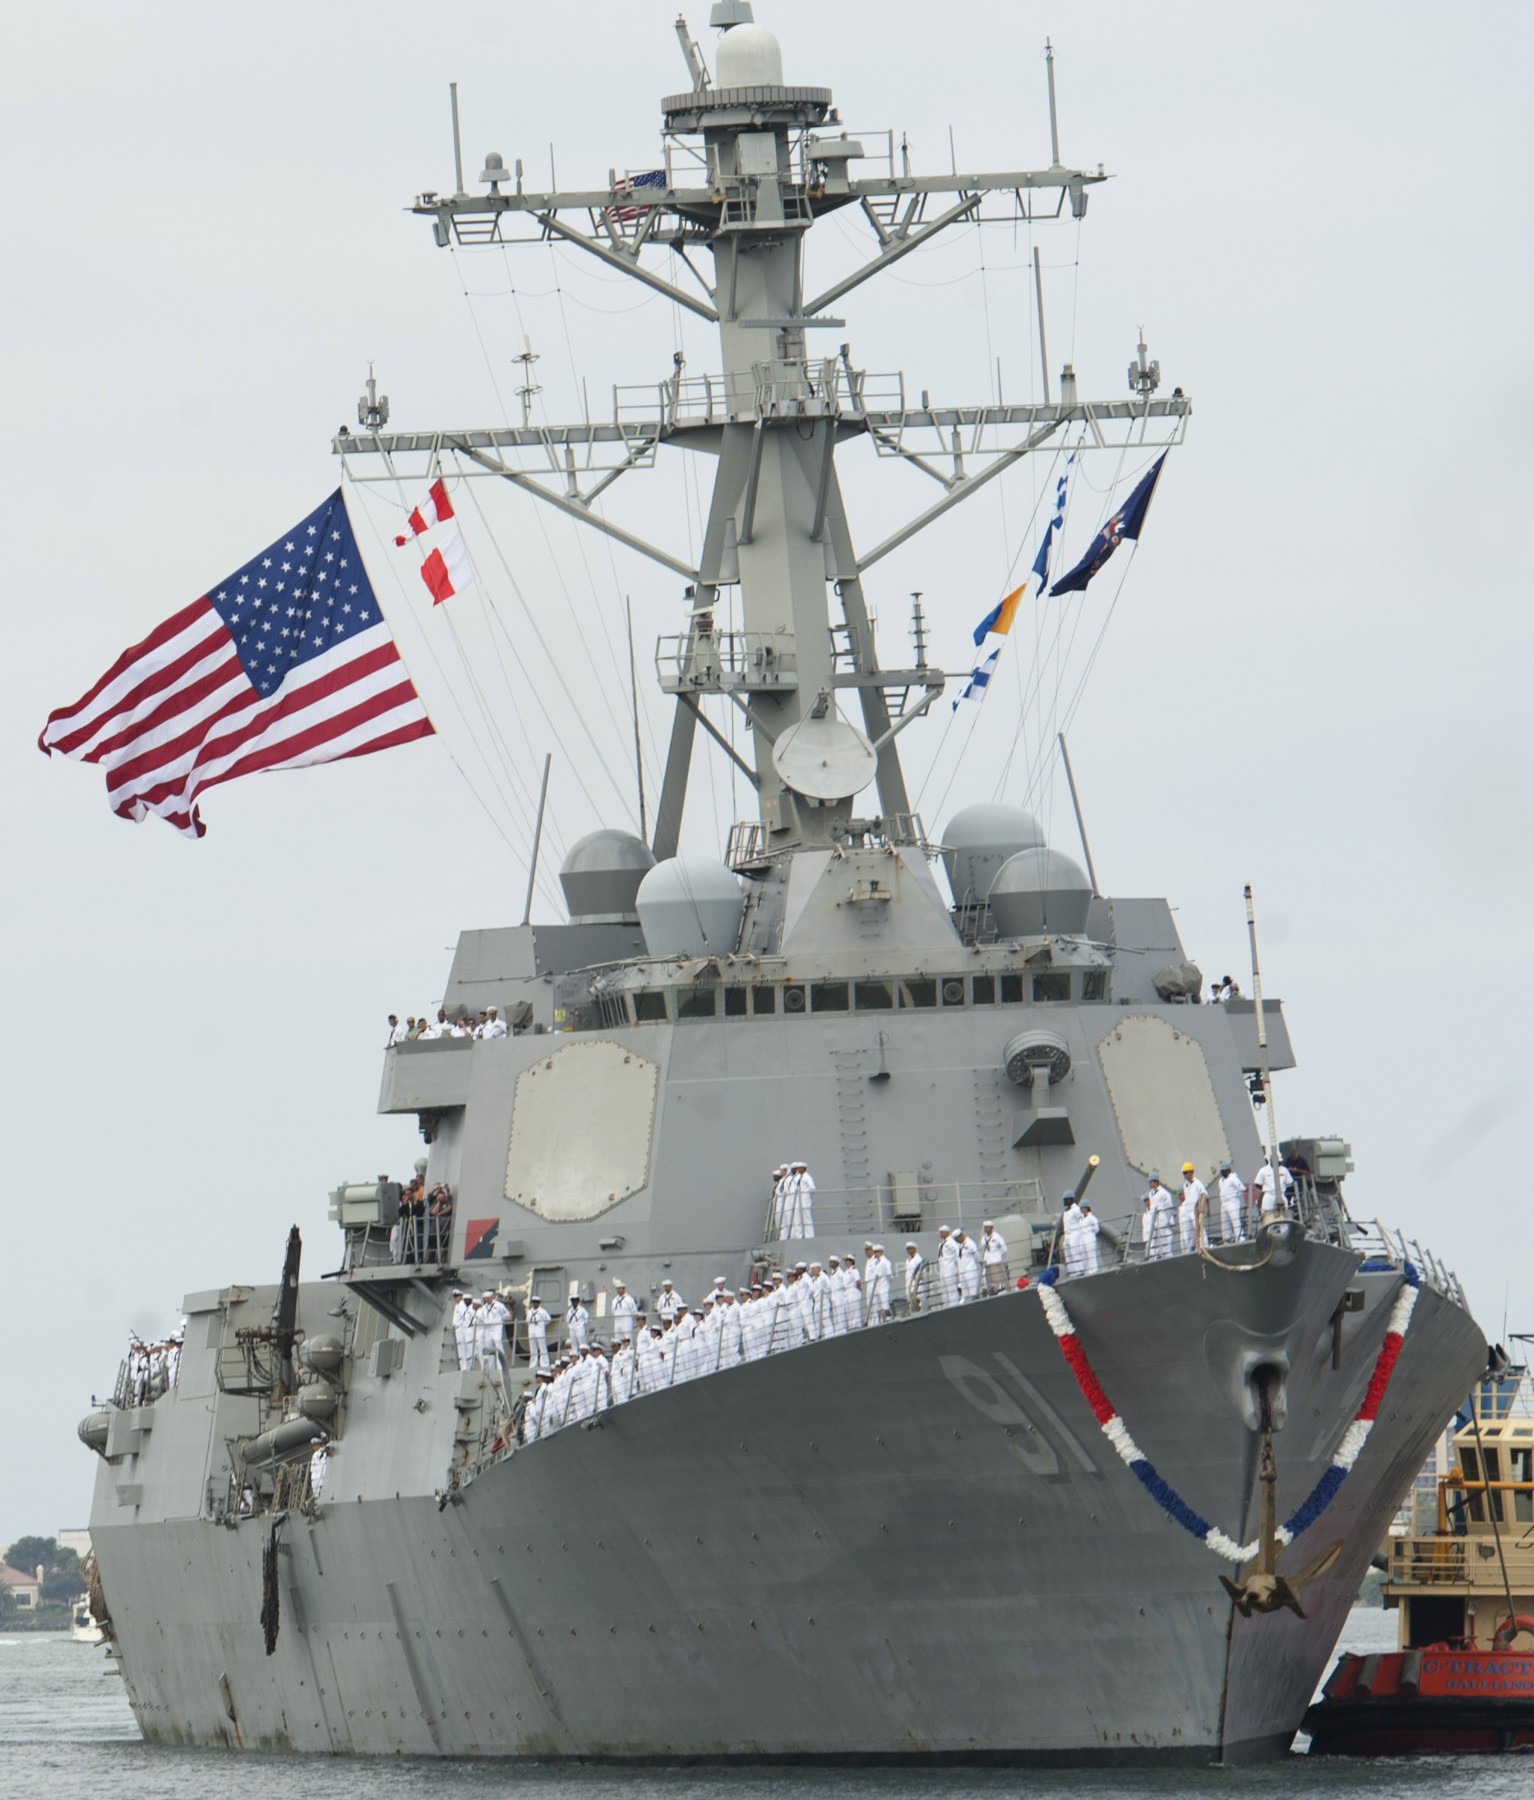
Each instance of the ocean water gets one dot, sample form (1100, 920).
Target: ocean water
(65, 1730)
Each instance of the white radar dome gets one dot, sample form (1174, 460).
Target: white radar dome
(601, 876)
(690, 908)
(1039, 891)
(978, 841)
(748, 56)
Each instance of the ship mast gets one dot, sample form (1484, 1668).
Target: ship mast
(751, 164)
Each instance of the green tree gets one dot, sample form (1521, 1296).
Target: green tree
(60, 1586)
(30, 1553)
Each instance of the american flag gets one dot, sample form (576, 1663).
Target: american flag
(288, 662)
(653, 178)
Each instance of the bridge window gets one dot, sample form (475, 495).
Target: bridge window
(873, 996)
(735, 1003)
(650, 1007)
(918, 991)
(1056, 985)
(764, 1000)
(983, 990)
(695, 1003)
(1011, 990)
(828, 996)
(793, 998)
(1094, 985)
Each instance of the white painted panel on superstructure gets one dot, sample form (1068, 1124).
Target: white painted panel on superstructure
(1162, 1098)
(581, 1129)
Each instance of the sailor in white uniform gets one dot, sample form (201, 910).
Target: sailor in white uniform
(1268, 1187)
(915, 1262)
(779, 1203)
(491, 1330)
(947, 1267)
(969, 1264)
(537, 1333)
(879, 1279)
(1190, 1210)
(625, 1308)
(799, 1197)
(1090, 1226)
(668, 1301)
(1158, 1216)
(463, 1328)
(1232, 1200)
(494, 1026)
(821, 1302)
(993, 1258)
(1072, 1250)
(577, 1321)
(396, 1033)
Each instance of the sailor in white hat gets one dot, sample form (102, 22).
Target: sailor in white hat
(915, 1262)
(993, 1257)
(537, 1333)
(799, 1196)
(1232, 1202)
(879, 1274)
(625, 1306)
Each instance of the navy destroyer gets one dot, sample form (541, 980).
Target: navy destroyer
(1105, 1498)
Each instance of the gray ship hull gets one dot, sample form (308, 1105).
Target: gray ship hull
(905, 1543)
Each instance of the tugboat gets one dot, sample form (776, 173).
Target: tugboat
(1463, 1676)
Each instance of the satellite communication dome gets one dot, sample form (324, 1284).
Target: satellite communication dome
(690, 908)
(978, 841)
(1039, 891)
(601, 876)
(749, 56)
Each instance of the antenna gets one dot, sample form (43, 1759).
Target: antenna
(372, 407)
(1038, 288)
(527, 356)
(693, 54)
(1144, 377)
(1054, 122)
(919, 631)
(1081, 825)
(628, 605)
(532, 867)
(1262, 1045)
(452, 89)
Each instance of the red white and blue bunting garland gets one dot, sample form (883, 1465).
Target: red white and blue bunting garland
(1140, 1466)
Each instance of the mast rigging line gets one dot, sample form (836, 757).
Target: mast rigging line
(496, 824)
(492, 725)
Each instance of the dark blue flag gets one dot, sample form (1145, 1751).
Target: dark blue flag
(1125, 523)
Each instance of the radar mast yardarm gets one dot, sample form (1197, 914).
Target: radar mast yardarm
(751, 163)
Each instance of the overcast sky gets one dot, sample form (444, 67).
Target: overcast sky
(1313, 677)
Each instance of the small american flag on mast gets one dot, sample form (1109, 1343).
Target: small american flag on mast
(652, 178)
(289, 662)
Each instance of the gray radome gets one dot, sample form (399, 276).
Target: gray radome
(1039, 891)
(978, 841)
(602, 873)
(748, 56)
(690, 908)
